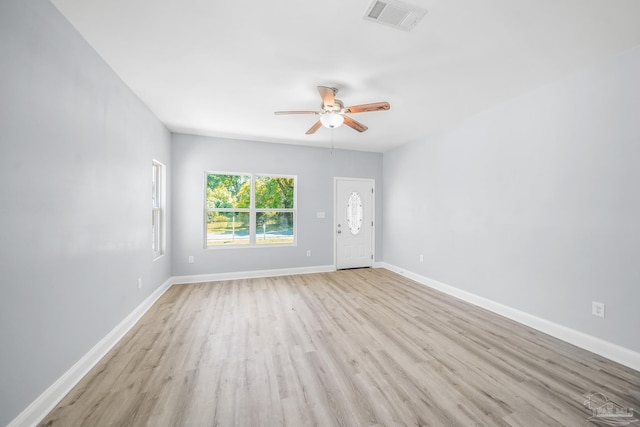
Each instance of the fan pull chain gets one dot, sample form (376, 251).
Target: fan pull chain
(332, 131)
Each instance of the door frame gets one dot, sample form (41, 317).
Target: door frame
(335, 217)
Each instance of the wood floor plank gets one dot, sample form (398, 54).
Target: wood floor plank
(349, 348)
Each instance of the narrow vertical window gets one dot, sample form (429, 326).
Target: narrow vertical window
(157, 208)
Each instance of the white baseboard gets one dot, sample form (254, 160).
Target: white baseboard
(40, 407)
(216, 277)
(595, 345)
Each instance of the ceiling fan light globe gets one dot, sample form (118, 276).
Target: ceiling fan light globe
(331, 120)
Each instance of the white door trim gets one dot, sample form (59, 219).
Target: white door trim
(335, 217)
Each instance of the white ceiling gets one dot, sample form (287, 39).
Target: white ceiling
(221, 68)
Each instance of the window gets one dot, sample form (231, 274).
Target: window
(249, 209)
(157, 209)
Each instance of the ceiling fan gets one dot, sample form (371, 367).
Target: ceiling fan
(333, 112)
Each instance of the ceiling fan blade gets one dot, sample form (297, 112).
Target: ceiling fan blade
(296, 112)
(314, 128)
(354, 124)
(376, 106)
(328, 96)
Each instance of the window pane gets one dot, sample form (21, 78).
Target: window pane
(227, 228)
(273, 192)
(228, 191)
(155, 185)
(274, 227)
(155, 230)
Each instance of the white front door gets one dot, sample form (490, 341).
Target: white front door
(354, 207)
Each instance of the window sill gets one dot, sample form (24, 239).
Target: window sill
(274, 245)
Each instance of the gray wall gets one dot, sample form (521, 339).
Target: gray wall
(76, 148)
(315, 168)
(534, 204)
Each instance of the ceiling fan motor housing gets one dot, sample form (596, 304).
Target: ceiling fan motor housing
(337, 107)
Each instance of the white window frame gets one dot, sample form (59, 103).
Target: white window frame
(158, 184)
(253, 233)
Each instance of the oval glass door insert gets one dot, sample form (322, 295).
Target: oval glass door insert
(354, 213)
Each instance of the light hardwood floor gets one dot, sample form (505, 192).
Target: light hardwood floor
(351, 348)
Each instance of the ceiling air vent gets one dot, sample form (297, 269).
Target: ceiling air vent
(395, 14)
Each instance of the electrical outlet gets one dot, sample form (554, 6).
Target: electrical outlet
(308, 253)
(421, 258)
(597, 308)
(139, 282)
(191, 259)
